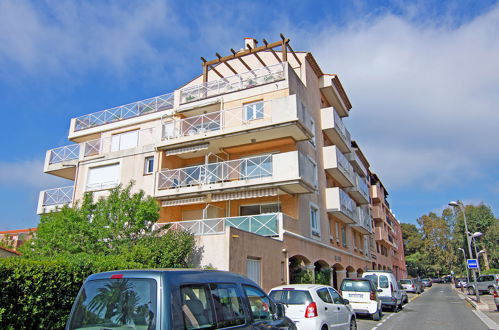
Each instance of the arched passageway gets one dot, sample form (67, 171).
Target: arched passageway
(322, 272)
(300, 270)
(338, 274)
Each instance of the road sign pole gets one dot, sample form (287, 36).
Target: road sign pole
(469, 249)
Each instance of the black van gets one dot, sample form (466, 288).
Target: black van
(174, 299)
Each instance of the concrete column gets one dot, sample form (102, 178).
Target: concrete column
(341, 274)
(311, 270)
(352, 274)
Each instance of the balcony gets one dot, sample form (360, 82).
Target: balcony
(62, 161)
(242, 81)
(266, 120)
(335, 130)
(377, 213)
(376, 193)
(291, 172)
(360, 190)
(52, 199)
(339, 204)
(364, 223)
(263, 224)
(337, 165)
(381, 235)
(357, 163)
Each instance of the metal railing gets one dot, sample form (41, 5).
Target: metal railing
(262, 224)
(58, 196)
(233, 83)
(345, 134)
(135, 109)
(347, 205)
(362, 185)
(307, 169)
(65, 153)
(219, 120)
(239, 169)
(364, 217)
(344, 165)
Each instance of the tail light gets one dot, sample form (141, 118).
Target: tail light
(311, 311)
(372, 296)
(413, 286)
(495, 294)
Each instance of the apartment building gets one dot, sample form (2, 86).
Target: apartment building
(389, 251)
(253, 157)
(16, 238)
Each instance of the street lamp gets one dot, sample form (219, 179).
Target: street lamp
(461, 207)
(465, 266)
(473, 240)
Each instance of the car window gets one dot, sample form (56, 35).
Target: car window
(196, 307)
(336, 296)
(228, 305)
(373, 278)
(358, 286)
(291, 297)
(259, 303)
(383, 281)
(405, 281)
(324, 295)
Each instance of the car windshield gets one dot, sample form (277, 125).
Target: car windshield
(116, 304)
(357, 285)
(373, 278)
(291, 297)
(405, 282)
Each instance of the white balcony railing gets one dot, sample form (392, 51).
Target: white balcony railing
(62, 154)
(239, 169)
(262, 224)
(154, 104)
(249, 79)
(58, 196)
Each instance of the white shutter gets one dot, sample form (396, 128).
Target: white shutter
(103, 176)
(125, 140)
(253, 270)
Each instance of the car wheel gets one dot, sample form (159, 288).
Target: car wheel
(471, 290)
(324, 327)
(395, 308)
(353, 324)
(491, 290)
(377, 315)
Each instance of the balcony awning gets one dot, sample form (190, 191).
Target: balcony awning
(245, 194)
(187, 149)
(185, 201)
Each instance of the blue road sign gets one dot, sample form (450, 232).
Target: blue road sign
(472, 263)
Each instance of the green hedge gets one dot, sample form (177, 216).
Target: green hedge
(39, 293)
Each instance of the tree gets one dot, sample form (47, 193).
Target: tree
(411, 236)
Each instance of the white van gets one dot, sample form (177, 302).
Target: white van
(390, 294)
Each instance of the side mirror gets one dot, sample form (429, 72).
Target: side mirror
(280, 311)
(346, 301)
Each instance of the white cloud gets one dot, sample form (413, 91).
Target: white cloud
(28, 173)
(425, 96)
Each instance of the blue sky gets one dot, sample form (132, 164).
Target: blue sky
(423, 78)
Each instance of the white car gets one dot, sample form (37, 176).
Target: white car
(314, 306)
(390, 294)
(363, 296)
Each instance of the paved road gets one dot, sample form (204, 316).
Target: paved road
(437, 308)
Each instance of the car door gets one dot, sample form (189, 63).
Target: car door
(343, 311)
(263, 311)
(328, 308)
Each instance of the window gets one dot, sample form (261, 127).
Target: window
(260, 304)
(124, 141)
(196, 308)
(312, 127)
(324, 295)
(253, 270)
(149, 165)
(337, 233)
(253, 111)
(291, 297)
(336, 296)
(344, 236)
(314, 220)
(103, 177)
(259, 209)
(383, 281)
(228, 305)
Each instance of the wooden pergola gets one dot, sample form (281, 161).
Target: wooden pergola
(283, 45)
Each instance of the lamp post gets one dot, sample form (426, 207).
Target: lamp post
(473, 241)
(478, 258)
(465, 266)
(461, 207)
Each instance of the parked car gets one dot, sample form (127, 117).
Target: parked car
(314, 306)
(390, 295)
(461, 282)
(485, 283)
(363, 296)
(174, 299)
(412, 285)
(437, 280)
(426, 282)
(405, 298)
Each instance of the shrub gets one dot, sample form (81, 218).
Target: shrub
(38, 293)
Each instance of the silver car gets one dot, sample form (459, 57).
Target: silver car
(485, 283)
(412, 285)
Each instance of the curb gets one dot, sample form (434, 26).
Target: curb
(491, 324)
(419, 295)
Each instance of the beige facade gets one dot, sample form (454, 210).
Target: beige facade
(259, 165)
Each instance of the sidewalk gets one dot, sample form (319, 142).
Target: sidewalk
(485, 307)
